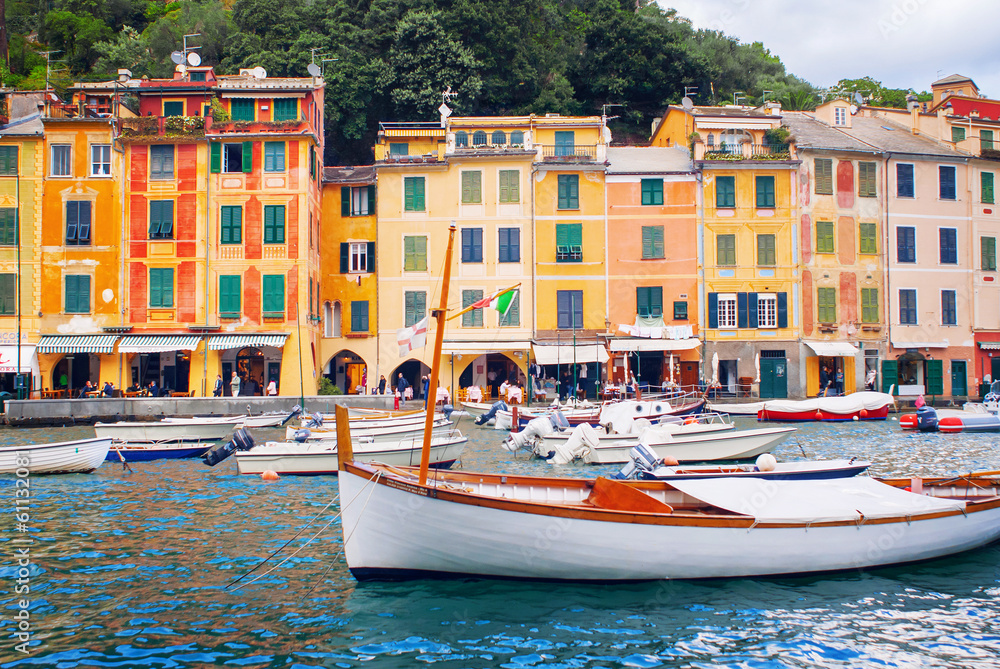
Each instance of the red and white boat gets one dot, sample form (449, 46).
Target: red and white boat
(865, 405)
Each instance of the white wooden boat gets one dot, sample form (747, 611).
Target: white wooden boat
(370, 423)
(736, 409)
(802, 470)
(165, 431)
(254, 421)
(320, 457)
(386, 433)
(476, 408)
(65, 457)
(461, 524)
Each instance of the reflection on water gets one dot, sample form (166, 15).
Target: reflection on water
(131, 571)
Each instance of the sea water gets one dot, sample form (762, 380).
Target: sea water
(130, 569)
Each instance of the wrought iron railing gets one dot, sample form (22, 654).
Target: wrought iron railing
(559, 152)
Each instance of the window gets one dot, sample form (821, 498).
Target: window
(948, 245)
(569, 309)
(839, 116)
(8, 226)
(765, 250)
(413, 194)
(826, 305)
(649, 301)
(509, 245)
(869, 305)
(161, 219)
(197, 76)
(725, 250)
(824, 237)
(498, 138)
(946, 181)
(230, 294)
(986, 139)
(359, 316)
(988, 252)
(274, 156)
(986, 187)
(472, 187)
(513, 317)
(462, 139)
(237, 157)
(231, 225)
(652, 241)
(77, 300)
(726, 311)
(8, 161)
(765, 192)
(274, 224)
(767, 310)
(949, 314)
(569, 191)
(173, 108)
(399, 149)
(415, 254)
(357, 200)
(161, 288)
(8, 289)
(479, 138)
(652, 191)
(414, 307)
(904, 180)
(906, 244)
(62, 160)
(517, 138)
(907, 306)
(273, 295)
(565, 143)
(957, 133)
(78, 223)
(242, 109)
(100, 160)
(680, 311)
(312, 162)
(867, 238)
(286, 109)
(824, 176)
(725, 192)
(161, 162)
(866, 179)
(472, 245)
(474, 318)
(357, 257)
(569, 242)
(510, 186)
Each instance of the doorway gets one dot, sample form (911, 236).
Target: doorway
(773, 377)
(959, 379)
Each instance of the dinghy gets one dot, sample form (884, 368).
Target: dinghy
(65, 457)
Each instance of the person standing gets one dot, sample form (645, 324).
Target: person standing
(839, 382)
(218, 386)
(272, 388)
(824, 381)
(234, 383)
(381, 385)
(491, 378)
(425, 388)
(401, 385)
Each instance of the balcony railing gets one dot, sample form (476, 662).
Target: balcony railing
(569, 154)
(735, 152)
(163, 126)
(74, 110)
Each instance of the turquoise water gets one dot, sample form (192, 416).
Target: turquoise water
(131, 568)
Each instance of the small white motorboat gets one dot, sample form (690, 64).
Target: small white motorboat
(65, 457)
(199, 430)
(385, 433)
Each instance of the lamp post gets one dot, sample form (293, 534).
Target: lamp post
(572, 315)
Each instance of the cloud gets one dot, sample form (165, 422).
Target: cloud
(902, 43)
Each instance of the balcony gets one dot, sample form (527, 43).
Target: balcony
(552, 153)
(740, 152)
(257, 127)
(78, 110)
(163, 126)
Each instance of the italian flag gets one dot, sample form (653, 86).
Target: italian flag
(501, 301)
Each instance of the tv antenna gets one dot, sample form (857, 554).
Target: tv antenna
(604, 110)
(764, 95)
(189, 56)
(736, 97)
(690, 90)
(48, 66)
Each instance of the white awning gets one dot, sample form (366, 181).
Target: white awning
(567, 354)
(919, 344)
(832, 348)
(483, 347)
(631, 344)
(77, 343)
(158, 343)
(990, 345)
(223, 342)
(8, 358)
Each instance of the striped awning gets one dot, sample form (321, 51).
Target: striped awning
(223, 342)
(158, 343)
(77, 344)
(990, 345)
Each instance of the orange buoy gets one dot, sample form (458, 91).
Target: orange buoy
(670, 461)
(863, 413)
(690, 420)
(819, 415)
(269, 475)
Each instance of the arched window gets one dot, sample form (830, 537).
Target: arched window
(336, 320)
(479, 138)
(461, 138)
(327, 319)
(517, 137)
(499, 138)
(711, 139)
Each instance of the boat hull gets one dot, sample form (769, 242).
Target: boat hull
(403, 530)
(68, 457)
(164, 432)
(316, 459)
(703, 447)
(783, 471)
(136, 452)
(864, 405)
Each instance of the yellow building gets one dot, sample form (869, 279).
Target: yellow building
(748, 252)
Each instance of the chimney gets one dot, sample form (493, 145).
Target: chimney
(914, 107)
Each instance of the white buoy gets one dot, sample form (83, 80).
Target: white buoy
(854, 418)
(766, 462)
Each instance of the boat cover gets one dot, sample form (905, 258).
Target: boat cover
(813, 501)
(845, 404)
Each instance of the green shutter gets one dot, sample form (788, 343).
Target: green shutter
(725, 250)
(765, 192)
(510, 186)
(986, 139)
(273, 298)
(345, 201)
(230, 296)
(274, 156)
(890, 374)
(231, 225)
(868, 243)
(274, 224)
(413, 188)
(957, 133)
(8, 226)
(725, 192)
(8, 161)
(649, 301)
(652, 241)
(285, 109)
(161, 288)
(986, 180)
(247, 157)
(866, 179)
(216, 160)
(8, 288)
(826, 305)
(824, 176)
(359, 316)
(935, 377)
(824, 237)
(988, 247)
(652, 191)
(765, 250)
(869, 305)
(472, 187)
(569, 191)
(77, 294)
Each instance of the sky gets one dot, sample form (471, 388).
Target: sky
(902, 43)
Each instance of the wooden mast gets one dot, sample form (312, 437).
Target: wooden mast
(439, 315)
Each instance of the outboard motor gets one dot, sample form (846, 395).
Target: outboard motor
(536, 427)
(927, 419)
(241, 441)
(499, 405)
(642, 459)
(302, 435)
(447, 410)
(296, 411)
(315, 420)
